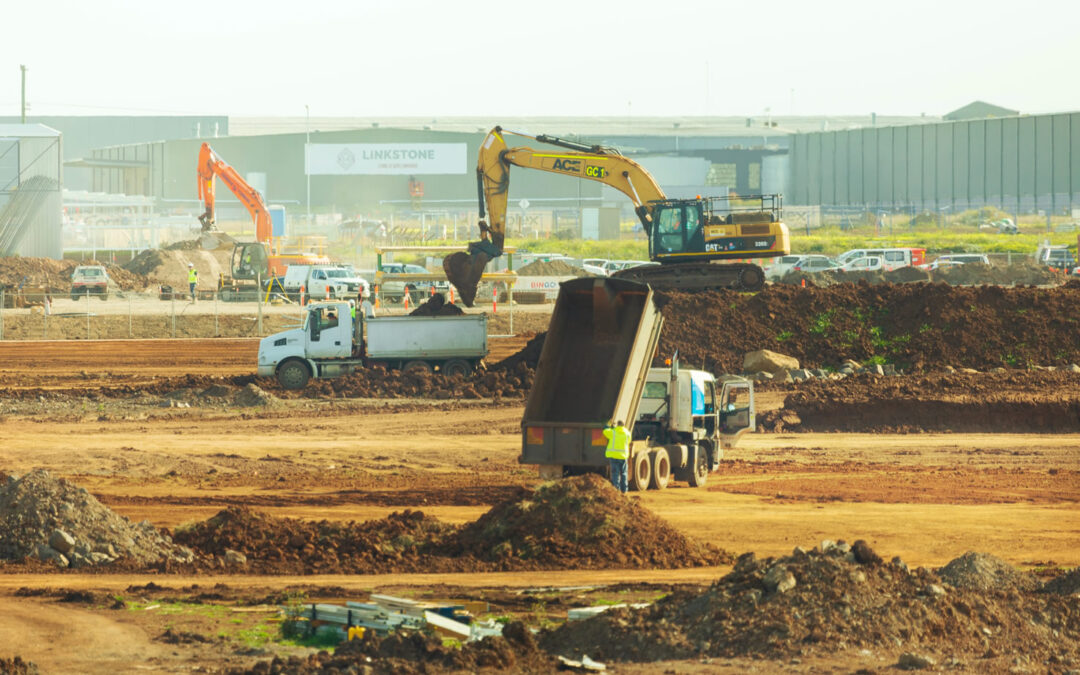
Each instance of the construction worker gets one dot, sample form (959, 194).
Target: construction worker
(618, 451)
(192, 279)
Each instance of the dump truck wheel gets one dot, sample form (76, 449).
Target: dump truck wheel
(699, 472)
(457, 367)
(661, 469)
(642, 472)
(417, 367)
(293, 374)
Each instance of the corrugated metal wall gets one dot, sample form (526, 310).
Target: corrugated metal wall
(39, 179)
(1023, 163)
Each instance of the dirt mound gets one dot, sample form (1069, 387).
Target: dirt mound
(576, 523)
(53, 520)
(1066, 584)
(16, 666)
(552, 268)
(436, 305)
(1012, 401)
(984, 572)
(55, 275)
(1022, 273)
(380, 383)
(583, 520)
(398, 543)
(170, 266)
(915, 326)
(820, 602)
(529, 355)
(516, 651)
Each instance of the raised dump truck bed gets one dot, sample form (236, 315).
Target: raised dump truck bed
(592, 369)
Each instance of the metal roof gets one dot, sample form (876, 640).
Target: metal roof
(27, 131)
(759, 125)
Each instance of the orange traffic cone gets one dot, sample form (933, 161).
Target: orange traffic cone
(451, 295)
(494, 299)
(407, 294)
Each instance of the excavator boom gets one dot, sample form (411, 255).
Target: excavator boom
(590, 162)
(211, 166)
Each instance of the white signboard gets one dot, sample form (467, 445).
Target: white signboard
(354, 159)
(549, 286)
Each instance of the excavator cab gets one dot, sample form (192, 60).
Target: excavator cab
(678, 228)
(249, 261)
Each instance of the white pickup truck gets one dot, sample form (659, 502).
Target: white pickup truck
(323, 282)
(330, 343)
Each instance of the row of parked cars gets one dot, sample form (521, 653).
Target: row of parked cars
(867, 260)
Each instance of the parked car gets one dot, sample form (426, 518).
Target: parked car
(812, 264)
(394, 291)
(779, 266)
(594, 266)
(870, 263)
(964, 258)
(939, 264)
(89, 280)
(890, 258)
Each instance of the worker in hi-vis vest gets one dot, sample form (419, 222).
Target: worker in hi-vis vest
(618, 450)
(192, 279)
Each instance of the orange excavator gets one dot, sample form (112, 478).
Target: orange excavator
(262, 258)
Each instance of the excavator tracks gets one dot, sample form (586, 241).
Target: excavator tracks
(702, 276)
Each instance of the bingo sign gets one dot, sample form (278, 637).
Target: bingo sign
(388, 159)
(549, 286)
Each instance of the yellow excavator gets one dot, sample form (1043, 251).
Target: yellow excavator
(685, 235)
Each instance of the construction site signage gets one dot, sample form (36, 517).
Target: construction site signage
(352, 159)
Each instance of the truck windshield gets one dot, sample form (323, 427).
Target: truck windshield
(337, 274)
(655, 390)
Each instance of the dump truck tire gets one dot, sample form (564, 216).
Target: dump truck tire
(699, 470)
(457, 367)
(661, 469)
(641, 475)
(293, 374)
(416, 367)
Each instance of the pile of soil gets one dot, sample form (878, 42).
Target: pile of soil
(529, 355)
(516, 651)
(381, 383)
(170, 266)
(53, 520)
(574, 523)
(398, 543)
(553, 268)
(55, 275)
(1021, 273)
(915, 326)
(1010, 401)
(845, 598)
(583, 519)
(436, 305)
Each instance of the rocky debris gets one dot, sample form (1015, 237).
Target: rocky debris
(16, 666)
(515, 651)
(583, 519)
(769, 362)
(1065, 584)
(1020, 273)
(574, 523)
(55, 521)
(837, 603)
(913, 661)
(984, 572)
(528, 355)
(552, 268)
(253, 395)
(381, 383)
(436, 305)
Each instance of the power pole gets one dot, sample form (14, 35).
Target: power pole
(307, 159)
(23, 69)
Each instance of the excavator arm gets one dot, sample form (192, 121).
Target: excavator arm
(210, 167)
(589, 162)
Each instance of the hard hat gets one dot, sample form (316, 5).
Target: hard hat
(191, 264)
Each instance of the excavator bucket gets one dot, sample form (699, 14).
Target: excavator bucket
(464, 270)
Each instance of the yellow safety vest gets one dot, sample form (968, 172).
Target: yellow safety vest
(618, 446)
(192, 276)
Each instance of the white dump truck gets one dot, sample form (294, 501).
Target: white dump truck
(331, 343)
(595, 367)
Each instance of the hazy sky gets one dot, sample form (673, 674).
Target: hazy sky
(557, 57)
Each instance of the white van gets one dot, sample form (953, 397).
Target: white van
(891, 258)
